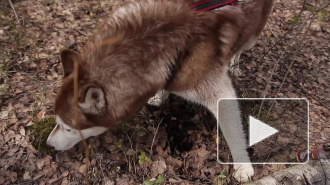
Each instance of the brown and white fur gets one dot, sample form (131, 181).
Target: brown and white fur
(135, 55)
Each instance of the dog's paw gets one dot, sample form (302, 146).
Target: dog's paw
(243, 172)
(159, 98)
(155, 101)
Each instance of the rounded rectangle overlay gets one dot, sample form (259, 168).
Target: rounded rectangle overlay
(276, 130)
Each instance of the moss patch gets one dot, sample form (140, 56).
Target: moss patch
(40, 132)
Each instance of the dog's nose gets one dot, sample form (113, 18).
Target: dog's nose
(49, 144)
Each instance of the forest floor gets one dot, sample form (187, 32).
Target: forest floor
(175, 141)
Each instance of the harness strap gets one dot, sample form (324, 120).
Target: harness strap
(212, 4)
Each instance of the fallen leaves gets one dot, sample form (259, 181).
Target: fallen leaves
(26, 175)
(40, 164)
(35, 75)
(82, 168)
(158, 168)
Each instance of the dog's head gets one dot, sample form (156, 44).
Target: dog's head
(93, 116)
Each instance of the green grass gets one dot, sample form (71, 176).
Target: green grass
(295, 19)
(40, 132)
(322, 15)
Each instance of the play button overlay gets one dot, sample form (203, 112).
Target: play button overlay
(272, 130)
(259, 131)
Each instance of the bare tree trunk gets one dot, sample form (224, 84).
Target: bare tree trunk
(312, 173)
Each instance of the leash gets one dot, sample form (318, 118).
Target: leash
(212, 4)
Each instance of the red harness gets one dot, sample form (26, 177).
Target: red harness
(212, 4)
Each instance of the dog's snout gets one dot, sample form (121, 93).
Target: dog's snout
(49, 144)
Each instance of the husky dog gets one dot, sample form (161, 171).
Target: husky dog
(158, 46)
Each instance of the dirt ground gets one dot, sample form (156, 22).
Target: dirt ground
(173, 143)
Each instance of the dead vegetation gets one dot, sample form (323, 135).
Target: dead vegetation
(173, 143)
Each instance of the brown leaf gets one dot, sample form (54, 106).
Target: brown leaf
(293, 129)
(52, 181)
(65, 173)
(26, 176)
(108, 139)
(130, 152)
(47, 160)
(202, 153)
(41, 114)
(40, 164)
(22, 131)
(175, 163)
(109, 182)
(93, 162)
(82, 168)
(30, 123)
(281, 139)
(12, 151)
(161, 152)
(13, 176)
(39, 175)
(31, 149)
(158, 168)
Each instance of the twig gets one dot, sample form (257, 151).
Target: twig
(75, 120)
(153, 140)
(130, 141)
(284, 36)
(100, 165)
(308, 94)
(323, 7)
(81, 32)
(277, 62)
(271, 30)
(294, 57)
(12, 7)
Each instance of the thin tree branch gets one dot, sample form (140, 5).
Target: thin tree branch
(278, 60)
(298, 48)
(75, 118)
(153, 140)
(286, 33)
(12, 7)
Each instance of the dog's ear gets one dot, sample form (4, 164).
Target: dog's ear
(92, 99)
(68, 57)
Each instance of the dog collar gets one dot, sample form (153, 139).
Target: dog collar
(212, 4)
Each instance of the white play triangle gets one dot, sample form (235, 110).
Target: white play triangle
(259, 130)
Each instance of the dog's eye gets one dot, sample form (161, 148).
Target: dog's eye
(69, 130)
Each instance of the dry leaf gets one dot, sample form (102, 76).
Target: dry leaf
(82, 168)
(22, 131)
(41, 114)
(30, 123)
(158, 168)
(13, 176)
(40, 164)
(26, 176)
(130, 152)
(175, 163)
(65, 173)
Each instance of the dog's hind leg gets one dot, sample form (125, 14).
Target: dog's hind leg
(207, 92)
(159, 98)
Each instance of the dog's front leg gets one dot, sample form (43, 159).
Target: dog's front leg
(231, 126)
(159, 98)
(207, 93)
